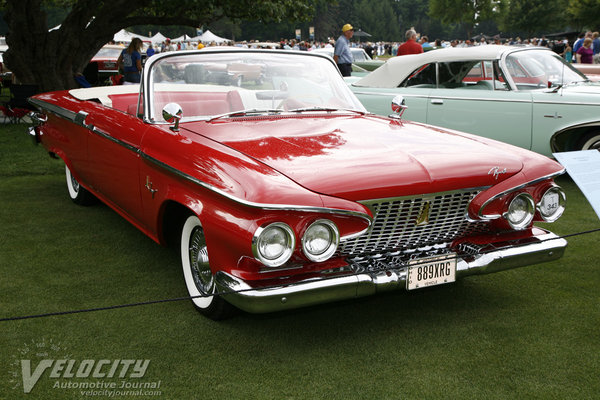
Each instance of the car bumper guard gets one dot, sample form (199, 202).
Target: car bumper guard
(542, 248)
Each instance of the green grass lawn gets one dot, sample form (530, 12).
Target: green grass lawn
(529, 333)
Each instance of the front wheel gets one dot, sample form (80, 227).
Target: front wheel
(78, 193)
(591, 141)
(197, 273)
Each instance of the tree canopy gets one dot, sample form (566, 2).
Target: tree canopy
(50, 58)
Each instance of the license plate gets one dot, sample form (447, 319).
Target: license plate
(431, 271)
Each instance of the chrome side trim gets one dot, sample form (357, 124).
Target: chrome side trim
(542, 248)
(436, 96)
(60, 111)
(562, 103)
(392, 94)
(77, 119)
(115, 140)
(515, 188)
(264, 206)
(484, 99)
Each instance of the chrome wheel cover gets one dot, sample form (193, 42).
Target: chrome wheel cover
(592, 144)
(200, 267)
(74, 184)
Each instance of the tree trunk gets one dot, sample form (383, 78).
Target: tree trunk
(50, 59)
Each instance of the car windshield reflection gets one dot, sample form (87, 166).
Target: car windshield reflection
(532, 70)
(207, 84)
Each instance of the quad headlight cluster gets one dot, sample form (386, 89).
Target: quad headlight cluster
(274, 244)
(521, 209)
(552, 204)
(320, 240)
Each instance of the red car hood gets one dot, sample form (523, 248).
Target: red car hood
(360, 158)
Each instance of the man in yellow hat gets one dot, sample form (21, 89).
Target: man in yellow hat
(342, 55)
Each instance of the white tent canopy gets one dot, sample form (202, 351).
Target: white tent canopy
(158, 38)
(182, 38)
(126, 36)
(208, 37)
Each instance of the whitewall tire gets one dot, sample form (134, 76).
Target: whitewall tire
(590, 142)
(77, 193)
(197, 273)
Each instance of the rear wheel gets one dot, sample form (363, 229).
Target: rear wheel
(198, 275)
(591, 141)
(78, 193)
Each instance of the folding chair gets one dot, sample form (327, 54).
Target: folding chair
(14, 115)
(8, 114)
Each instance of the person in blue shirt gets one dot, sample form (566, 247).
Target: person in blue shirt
(150, 52)
(596, 47)
(130, 61)
(341, 54)
(578, 43)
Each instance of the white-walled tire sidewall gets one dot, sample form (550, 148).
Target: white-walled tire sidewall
(591, 141)
(186, 233)
(72, 192)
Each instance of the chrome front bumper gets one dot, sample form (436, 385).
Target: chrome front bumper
(543, 248)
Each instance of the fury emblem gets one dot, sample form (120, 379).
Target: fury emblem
(496, 171)
(423, 218)
(149, 186)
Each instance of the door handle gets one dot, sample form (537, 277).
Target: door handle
(437, 101)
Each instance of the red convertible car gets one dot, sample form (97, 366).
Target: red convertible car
(285, 192)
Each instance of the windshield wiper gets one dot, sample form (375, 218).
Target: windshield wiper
(326, 109)
(245, 113)
(559, 86)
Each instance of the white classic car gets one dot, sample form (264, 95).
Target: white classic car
(529, 97)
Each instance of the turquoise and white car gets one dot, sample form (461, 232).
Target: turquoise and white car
(526, 96)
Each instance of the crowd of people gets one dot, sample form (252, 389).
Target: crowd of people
(585, 49)
(413, 43)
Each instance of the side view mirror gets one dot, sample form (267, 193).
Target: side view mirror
(172, 113)
(398, 106)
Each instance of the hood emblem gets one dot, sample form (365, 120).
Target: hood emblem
(423, 218)
(496, 171)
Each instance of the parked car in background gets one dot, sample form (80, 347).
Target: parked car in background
(288, 193)
(360, 56)
(528, 97)
(103, 65)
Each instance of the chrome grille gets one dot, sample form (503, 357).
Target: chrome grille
(400, 223)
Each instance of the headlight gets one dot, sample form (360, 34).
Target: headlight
(320, 240)
(520, 211)
(274, 244)
(552, 204)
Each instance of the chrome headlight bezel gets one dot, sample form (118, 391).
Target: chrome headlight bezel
(330, 249)
(522, 223)
(560, 208)
(258, 241)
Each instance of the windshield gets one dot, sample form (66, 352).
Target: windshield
(206, 84)
(535, 69)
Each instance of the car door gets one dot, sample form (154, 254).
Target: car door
(113, 147)
(480, 103)
(380, 101)
(415, 89)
